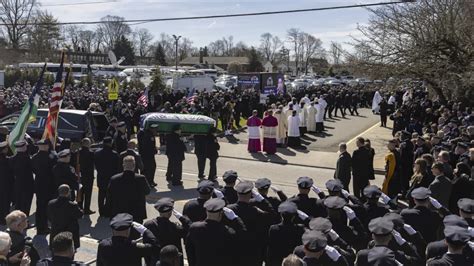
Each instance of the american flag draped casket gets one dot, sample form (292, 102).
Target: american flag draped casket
(189, 124)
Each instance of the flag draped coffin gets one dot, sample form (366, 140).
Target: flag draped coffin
(189, 124)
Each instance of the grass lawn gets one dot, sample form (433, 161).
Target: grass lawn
(243, 123)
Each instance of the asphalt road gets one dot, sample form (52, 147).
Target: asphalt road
(338, 130)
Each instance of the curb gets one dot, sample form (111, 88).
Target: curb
(376, 171)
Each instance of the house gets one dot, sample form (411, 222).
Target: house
(268, 67)
(219, 61)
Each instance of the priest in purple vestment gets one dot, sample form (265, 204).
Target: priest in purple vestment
(253, 128)
(269, 124)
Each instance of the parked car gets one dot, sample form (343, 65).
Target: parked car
(72, 124)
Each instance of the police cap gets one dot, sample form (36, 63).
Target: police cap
(334, 202)
(455, 220)
(380, 226)
(287, 207)
(205, 187)
(334, 185)
(421, 193)
(121, 222)
(381, 256)
(395, 218)
(372, 192)
(121, 124)
(214, 205)
(457, 235)
(314, 241)
(304, 182)
(64, 153)
(244, 187)
(320, 224)
(230, 176)
(164, 204)
(263, 183)
(466, 205)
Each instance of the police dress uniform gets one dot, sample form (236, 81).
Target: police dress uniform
(316, 241)
(120, 139)
(458, 236)
(373, 207)
(194, 208)
(86, 163)
(64, 173)
(311, 206)
(138, 161)
(147, 150)
(118, 250)
(63, 214)
(106, 161)
(24, 183)
(212, 153)
(175, 149)
(200, 144)
(230, 195)
(7, 180)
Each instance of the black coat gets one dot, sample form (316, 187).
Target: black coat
(126, 194)
(121, 251)
(361, 165)
(106, 162)
(423, 220)
(120, 142)
(175, 147)
(146, 144)
(283, 238)
(43, 163)
(86, 162)
(23, 171)
(311, 206)
(7, 180)
(65, 174)
(138, 160)
(63, 215)
(450, 259)
(212, 147)
(343, 167)
(194, 210)
(200, 145)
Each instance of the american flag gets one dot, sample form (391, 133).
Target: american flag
(143, 99)
(50, 129)
(191, 99)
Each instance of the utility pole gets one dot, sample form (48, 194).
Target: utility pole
(176, 38)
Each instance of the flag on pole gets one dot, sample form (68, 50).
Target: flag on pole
(51, 126)
(143, 99)
(28, 113)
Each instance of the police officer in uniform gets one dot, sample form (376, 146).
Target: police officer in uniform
(284, 237)
(166, 231)
(64, 173)
(63, 214)
(230, 195)
(456, 238)
(200, 143)
(110, 132)
(147, 149)
(212, 243)
(269, 204)
(120, 249)
(466, 210)
(175, 149)
(317, 252)
(373, 207)
(194, 209)
(42, 163)
(86, 163)
(120, 138)
(127, 191)
(7, 180)
(106, 162)
(311, 206)
(24, 183)
(131, 152)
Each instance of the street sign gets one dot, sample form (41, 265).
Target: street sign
(113, 90)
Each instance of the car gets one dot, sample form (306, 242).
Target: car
(72, 124)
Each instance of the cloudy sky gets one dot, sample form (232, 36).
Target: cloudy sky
(335, 25)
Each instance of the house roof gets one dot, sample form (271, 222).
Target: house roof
(216, 60)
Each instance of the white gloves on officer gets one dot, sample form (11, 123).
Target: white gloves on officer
(316, 189)
(400, 240)
(384, 198)
(435, 203)
(349, 213)
(139, 227)
(303, 216)
(333, 235)
(257, 195)
(345, 193)
(275, 189)
(218, 194)
(409, 229)
(230, 214)
(177, 214)
(332, 253)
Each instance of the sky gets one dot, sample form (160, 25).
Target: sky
(334, 25)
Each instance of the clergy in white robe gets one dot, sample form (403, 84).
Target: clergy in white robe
(282, 119)
(319, 117)
(311, 118)
(294, 130)
(303, 114)
(375, 102)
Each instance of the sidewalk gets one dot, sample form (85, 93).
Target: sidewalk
(309, 158)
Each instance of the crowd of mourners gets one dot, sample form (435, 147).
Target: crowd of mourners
(423, 213)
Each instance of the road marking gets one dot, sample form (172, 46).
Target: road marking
(367, 130)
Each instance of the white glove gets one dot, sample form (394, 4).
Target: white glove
(139, 227)
(333, 235)
(315, 189)
(177, 214)
(230, 214)
(471, 231)
(257, 195)
(238, 178)
(409, 229)
(303, 216)
(332, 253)
(345, 193)
(384, 198)
(275, 189)
(471, 244)
(349, 213)
(400, 240)
(435, 203)
(219, 194)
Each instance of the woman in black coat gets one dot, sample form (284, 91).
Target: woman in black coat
(462, 187)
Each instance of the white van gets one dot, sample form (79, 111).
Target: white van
(198, 83)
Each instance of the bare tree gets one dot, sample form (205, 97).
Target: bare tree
(294, 36)
(87, 38)
(112, 29)
(269, 46)
(143, 38)
(72, 36)
(310, 46)
(336, 52)
(16, 15)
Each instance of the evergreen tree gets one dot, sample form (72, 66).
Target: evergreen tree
(160, 57)
(205, 52)
(157, 84)
(123, 47)
(255, 65)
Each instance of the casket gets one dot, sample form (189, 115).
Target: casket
(189, 124)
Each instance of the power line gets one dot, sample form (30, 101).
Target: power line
(142, 21)
(80, 3)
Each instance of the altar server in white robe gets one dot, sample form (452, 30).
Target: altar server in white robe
(311, 118)
(294, 130)
(319, 116)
